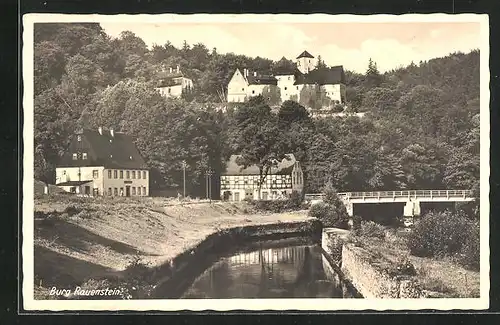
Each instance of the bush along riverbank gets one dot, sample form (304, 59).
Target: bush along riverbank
(438, 258)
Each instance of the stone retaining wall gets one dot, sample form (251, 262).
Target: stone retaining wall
(368, 272)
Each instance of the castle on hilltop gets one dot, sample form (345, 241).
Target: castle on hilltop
(306, 83)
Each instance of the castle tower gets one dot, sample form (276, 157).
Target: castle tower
(305, 62)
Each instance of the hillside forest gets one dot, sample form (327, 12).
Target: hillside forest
(420, 131)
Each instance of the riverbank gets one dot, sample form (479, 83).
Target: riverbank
(384, 268)
(77, 239)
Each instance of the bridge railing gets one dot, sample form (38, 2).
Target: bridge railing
(397, 194)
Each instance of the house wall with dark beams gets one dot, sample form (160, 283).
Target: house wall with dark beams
(277, 185)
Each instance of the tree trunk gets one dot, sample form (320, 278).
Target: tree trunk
(260, 184)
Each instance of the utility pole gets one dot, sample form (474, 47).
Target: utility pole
(206, 185)
(184, 165)
(210, 173)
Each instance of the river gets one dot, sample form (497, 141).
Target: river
(273, 269)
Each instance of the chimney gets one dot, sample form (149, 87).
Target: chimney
(178, 69)
(100, 130)
(112, 132)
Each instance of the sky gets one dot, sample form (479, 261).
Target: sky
(390, 45)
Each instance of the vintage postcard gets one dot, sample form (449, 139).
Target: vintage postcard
(255, 162)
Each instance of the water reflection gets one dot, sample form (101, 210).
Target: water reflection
(287, 272)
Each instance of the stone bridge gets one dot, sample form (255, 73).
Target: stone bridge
(411, 198)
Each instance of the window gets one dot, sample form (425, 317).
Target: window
(72, 189)
(84, 155)
(169, 90)
(96, 191)
(297, 87)
(116, 191)
(288, 79)
(144, 174)
(253, 91)
(138, 191)
(121, 174)
(285, 88)
(109, 173)
(109, 191)
(133, 190)
(79, 138)
(75, 156)
(115, 173)
(121, 191)
(95, 173)
(139, 174)
(133, 174)
(128, 174)
(242, 89)
(144, 191)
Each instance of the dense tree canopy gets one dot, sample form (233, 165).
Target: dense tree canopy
(421, 129)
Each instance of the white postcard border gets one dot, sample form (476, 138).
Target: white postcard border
(30, 304)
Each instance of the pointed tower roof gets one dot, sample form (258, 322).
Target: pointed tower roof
(305, 54)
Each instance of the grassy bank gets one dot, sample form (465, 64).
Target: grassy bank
(439, 277)
(77, 239)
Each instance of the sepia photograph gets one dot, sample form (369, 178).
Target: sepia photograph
(255, 162)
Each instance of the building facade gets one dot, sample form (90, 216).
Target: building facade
(239, 183)
(245, 84)
(172, 82)
(294, 84)
(103, 163)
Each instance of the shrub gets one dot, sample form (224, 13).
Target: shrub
(328, 216)
(405, 267)
(337, 108)
(372, 229)
(439, 234)
(71, 210)
(356, 224)
(470, 252)
(137, 278)
(294, 202)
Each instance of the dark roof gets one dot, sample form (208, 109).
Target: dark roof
(305, 54)
(323, 76)
(73, 183)
(286, 71)
(283, 167)
(168, 79)
(166, 74)
(262, 80)
(117, 151)
(169, 82)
